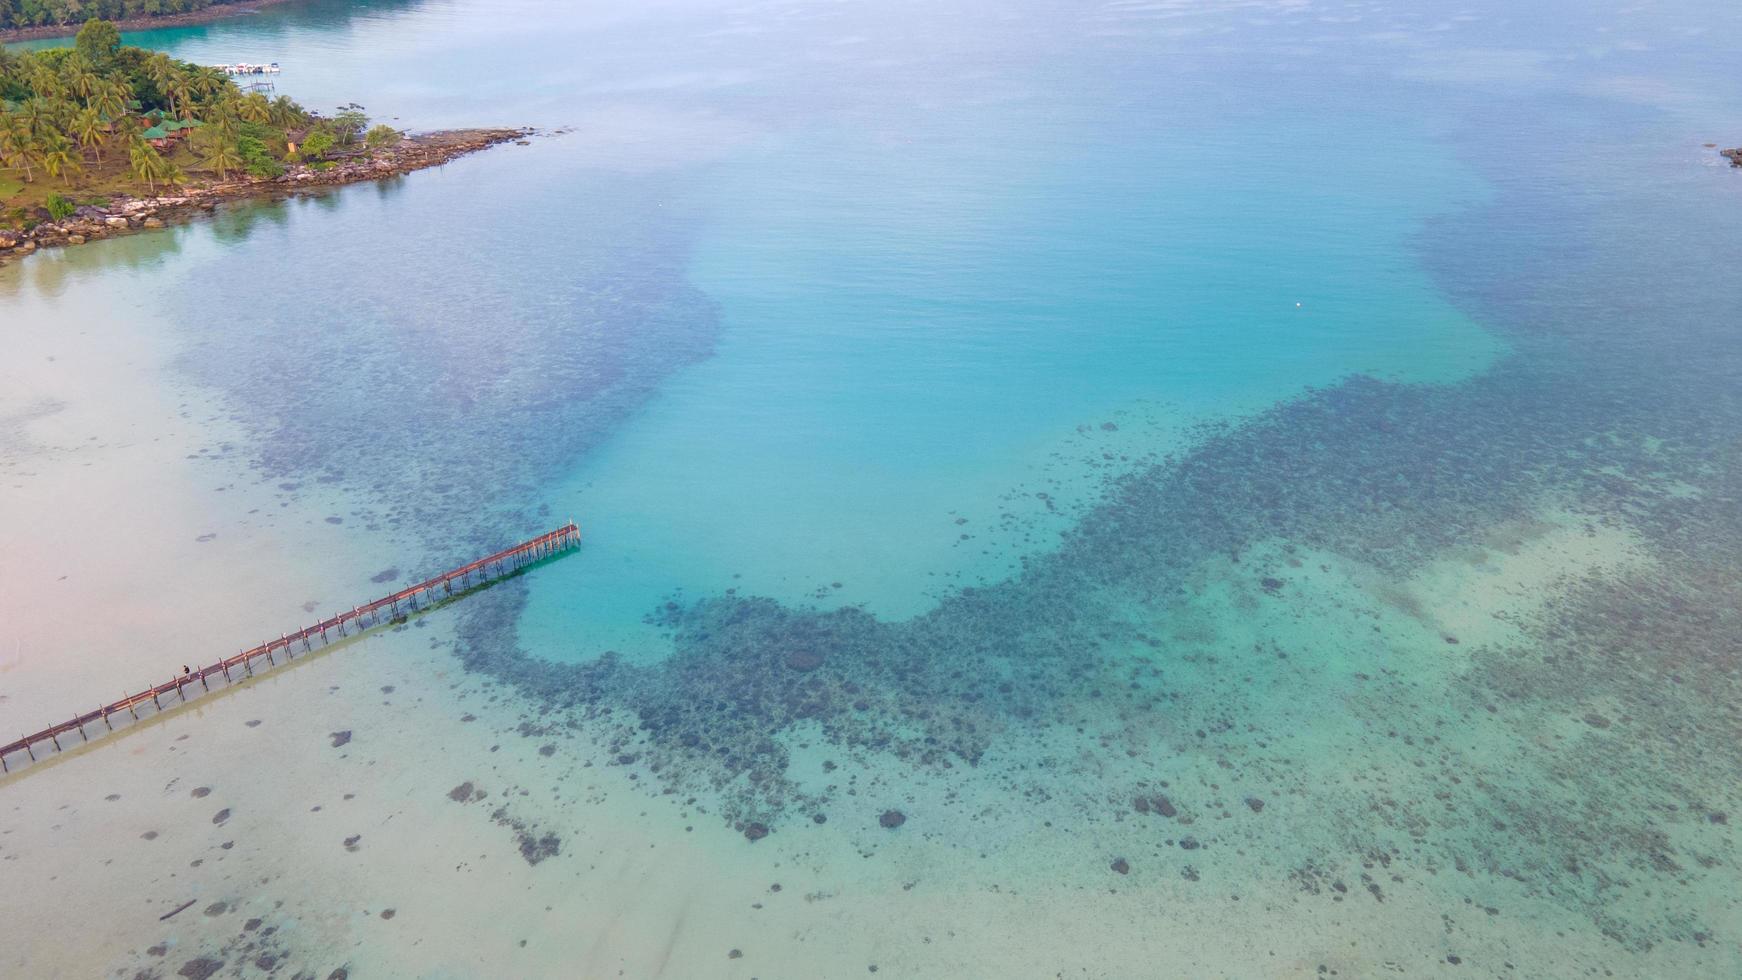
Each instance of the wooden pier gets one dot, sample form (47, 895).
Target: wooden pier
(194, 684)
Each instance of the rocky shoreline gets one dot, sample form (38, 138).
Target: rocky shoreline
(124, 215)
(204, 16)
(1734, 156)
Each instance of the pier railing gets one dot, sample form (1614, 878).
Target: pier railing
(193, 684)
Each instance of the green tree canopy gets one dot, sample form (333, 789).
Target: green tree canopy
(63, 107)
(44, 13)
(381, 135)
(348, 126)
(98, 41)
(316, 144)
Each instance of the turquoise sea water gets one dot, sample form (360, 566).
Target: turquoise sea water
(1315, 422)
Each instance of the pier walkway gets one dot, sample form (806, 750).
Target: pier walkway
(230, 671)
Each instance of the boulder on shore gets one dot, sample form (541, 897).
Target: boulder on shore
(124, 212)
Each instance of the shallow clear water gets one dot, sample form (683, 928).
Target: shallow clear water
(1318, 417)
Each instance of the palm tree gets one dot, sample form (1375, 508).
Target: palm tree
(207, 83)
(221, 151)
(227, 121)
(255, 108)
(222, 101)
(158, 67)
(37, 114)
(146, 163)
(17, 144)
(88, 129)
(286, 113)
(80, 79)
(181, 96)
(59, 158)
(111, 102)
(167, 76)
(45, 82)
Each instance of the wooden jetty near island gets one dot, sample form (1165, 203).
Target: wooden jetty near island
(192, 685)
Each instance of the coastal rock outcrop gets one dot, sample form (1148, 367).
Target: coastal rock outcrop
(1733, 155)
(124, 214)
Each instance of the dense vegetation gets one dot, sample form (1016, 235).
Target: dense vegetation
(109, 117)
(38, 13)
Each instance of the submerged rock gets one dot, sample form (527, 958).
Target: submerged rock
(536, 849)
(804, 660)
(892, 819)
(200, 969)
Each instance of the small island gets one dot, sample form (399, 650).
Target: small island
(102, 139)
(1734, 156)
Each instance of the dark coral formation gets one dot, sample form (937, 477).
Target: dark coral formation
(535, 844)
(1618, 405)
(543, 371)
(1390, 476)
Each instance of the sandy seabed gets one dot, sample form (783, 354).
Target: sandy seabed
(379, 811)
